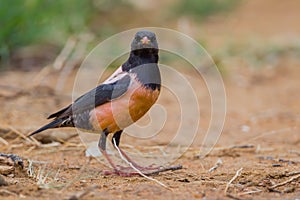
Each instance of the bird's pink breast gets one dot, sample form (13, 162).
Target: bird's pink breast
(124, 111)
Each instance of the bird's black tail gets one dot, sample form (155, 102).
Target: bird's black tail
(54, 124)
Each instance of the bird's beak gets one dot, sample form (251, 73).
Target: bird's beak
(145, 40)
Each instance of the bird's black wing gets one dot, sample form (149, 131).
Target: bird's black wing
(96, 97)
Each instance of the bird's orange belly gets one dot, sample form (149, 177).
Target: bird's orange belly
(124, 111)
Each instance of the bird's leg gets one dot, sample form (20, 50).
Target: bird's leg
(116, 141)
(127, 171)
(102, 148)
(15, 158)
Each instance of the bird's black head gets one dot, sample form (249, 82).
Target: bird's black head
(143, 59)
(144, 40)
(144, 50)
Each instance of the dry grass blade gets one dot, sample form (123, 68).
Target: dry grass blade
(218, 164)
(20, 134)
(30, 170)
(3, 141)
(237, 174)
(45, 177)
(35, 141)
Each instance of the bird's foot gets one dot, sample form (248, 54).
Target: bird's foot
(150, 170)
(18, 161)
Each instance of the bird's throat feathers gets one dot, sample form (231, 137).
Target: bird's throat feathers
(144, 63)
(140, 57)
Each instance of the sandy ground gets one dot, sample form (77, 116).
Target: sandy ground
(260, 138)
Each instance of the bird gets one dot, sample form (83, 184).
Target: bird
(119, 101)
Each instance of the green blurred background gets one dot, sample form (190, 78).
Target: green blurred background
(33, 32)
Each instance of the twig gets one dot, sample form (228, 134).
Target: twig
(218, 164)
(293, 173)
(249, 192)
(245, 146)
(137, 170)
(238, 173)
(171, 168)
(285, 182)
